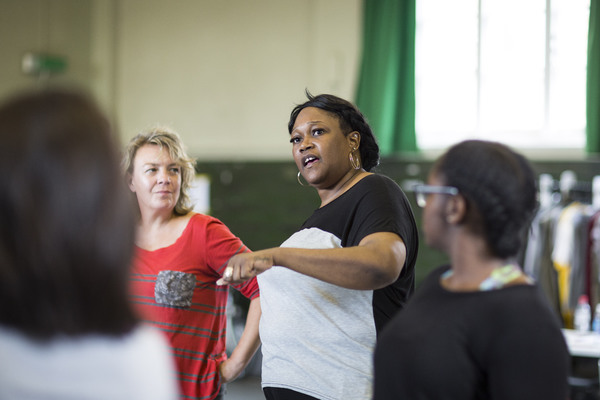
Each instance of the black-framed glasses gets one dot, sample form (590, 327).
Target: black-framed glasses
(421, 192)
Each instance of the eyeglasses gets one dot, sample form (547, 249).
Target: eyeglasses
(421, 192)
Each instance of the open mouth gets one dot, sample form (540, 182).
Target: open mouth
(309, 160)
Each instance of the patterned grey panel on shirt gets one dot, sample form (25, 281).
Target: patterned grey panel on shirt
(174, 288)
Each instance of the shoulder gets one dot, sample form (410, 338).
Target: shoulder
(378, 180)
(204, 221)
(520, 312)
(381, 201)
(212, 229)
(197, 218)
(432, 280)
(158, 369)
(146, 337)
(375, 187)
(205, 227)
(528, 302)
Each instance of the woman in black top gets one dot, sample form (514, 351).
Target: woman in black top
(477, 328)
(348, 269)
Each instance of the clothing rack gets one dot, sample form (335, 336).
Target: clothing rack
(563, 246)
(568, 189)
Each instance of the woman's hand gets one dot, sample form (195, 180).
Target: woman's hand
(230, 369)
(245, 266)
(246, 347)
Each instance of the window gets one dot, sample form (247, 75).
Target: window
(510, 70)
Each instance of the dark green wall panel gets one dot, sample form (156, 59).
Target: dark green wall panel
(262, 202)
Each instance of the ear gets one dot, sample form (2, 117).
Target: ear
(130, 183)
(456, 209)
(354, 139)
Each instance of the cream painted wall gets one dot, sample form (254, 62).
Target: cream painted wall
(57, 27)
(224, 73)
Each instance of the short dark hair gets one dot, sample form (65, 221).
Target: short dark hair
(499, 186)
(67, 230)
(351, 119)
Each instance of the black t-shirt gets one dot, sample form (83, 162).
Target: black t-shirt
(374, 204)
(318, 338)
(503, 344)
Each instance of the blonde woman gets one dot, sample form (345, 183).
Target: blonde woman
(179, 257)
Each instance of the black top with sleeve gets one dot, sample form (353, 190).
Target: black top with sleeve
(503, 344)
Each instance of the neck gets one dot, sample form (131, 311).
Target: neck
(161, 231)
(466, 278)
(328, 195)
(150, 218)
(471, 263)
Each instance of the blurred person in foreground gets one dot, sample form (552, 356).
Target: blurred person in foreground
(180, 255)
(477, 328)
(332, 286)
(67, 329)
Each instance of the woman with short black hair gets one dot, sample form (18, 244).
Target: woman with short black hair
(332, 286)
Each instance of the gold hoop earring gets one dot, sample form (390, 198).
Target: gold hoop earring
(300, 180)
(355, 162)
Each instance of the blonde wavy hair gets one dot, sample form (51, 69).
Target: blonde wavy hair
(165, 138)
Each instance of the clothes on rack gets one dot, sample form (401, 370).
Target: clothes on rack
(562, 254)
(538, 254)
(593, 271)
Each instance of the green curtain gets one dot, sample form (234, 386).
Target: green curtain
(593, 80)
(386, 86)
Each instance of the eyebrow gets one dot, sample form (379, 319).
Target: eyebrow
(309, 123)
(152, 164)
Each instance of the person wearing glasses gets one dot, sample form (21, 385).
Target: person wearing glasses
(477, 328)
(333, 285)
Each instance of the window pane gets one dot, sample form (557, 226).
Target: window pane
(568, 57)
(512, 65)
(446, 69)
(509, 71)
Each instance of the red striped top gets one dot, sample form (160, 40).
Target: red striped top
(174, 288)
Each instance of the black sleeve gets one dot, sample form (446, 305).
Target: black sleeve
(384, 207)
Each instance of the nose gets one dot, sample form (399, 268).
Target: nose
(163, 177)
(305, 144)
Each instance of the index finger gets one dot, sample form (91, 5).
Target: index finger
(227, 275)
